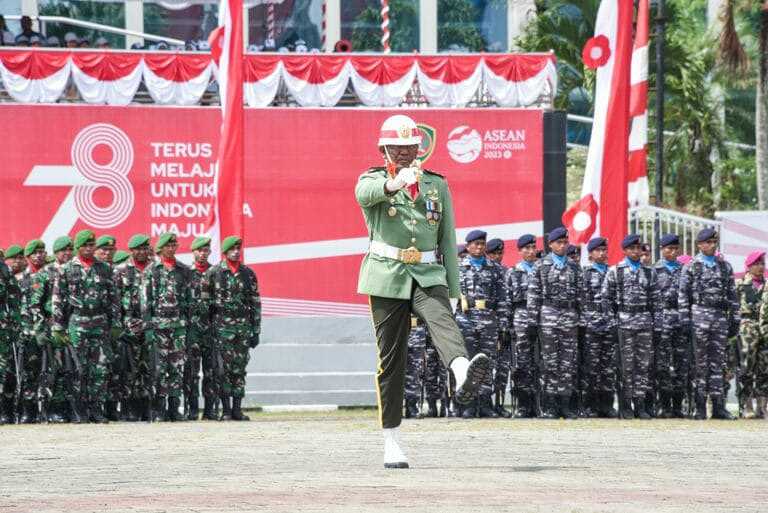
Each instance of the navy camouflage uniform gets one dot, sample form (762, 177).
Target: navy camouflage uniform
(423, 367)
(631, 296)
(671, 354)
(482, 312)
(599, 342)
(524, 374)
(709, 307)
(553, 303)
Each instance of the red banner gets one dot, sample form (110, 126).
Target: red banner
(150, 169)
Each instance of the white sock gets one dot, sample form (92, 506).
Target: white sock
(459, 367)
(393, 453)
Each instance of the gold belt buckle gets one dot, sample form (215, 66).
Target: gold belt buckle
(410, 255)
(480, 304)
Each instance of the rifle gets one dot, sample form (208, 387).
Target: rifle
(619, 366)
(740, 374)
(18, 355)
(580, 377)
(691, 373)
(537, 372)
(218, 371)
(45, 385)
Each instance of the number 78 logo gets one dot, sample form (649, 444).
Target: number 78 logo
(85, 176)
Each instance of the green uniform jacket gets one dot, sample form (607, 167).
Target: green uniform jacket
(408, 227)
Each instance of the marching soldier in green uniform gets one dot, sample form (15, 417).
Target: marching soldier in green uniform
(410, 267)
(232, 291)
(199, 339)
(135, 360)
(9, 306)
(106, 246)
(14, 259)
(165, 305)
(86, 314)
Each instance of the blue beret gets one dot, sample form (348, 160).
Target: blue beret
(572, 250)
(526, 239)
(597, 242)
(706, 234)
(630, 240)
(475, 235)
(557, 234)
(494, 245)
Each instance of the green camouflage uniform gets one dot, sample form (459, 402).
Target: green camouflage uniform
(31, 350)
(85, 303)
(165, 306)
(199, 341)
(10, 298)
(235, 313)
(137, 382)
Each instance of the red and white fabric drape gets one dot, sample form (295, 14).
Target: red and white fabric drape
(108, 77)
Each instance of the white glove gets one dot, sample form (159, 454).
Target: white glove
(406, 176)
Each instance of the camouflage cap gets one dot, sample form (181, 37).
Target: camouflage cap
(200, 242)
(61, 243)
(165, 239)
(82, 237)
(33, 246)
(230, 242)
(138, 240)
(120, 257)
(105, 240)
(13, 251)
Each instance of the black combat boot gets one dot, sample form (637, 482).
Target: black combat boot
(485, 409)
(607, 410)
(549, 407)
(147, 410)
(524, 405)
(173, 410)
(208, 404)
(650, 404)
(442, 412)
(160, 410)
(719, 411)
(73, 411)
(9, 410)
(701, 407)
(4, 417)
(625, 409)
(432, 408)
(411, 408)
(132, 409)
(55, 413)
(226, 408)
(665, 405)
(641, 408)
(111, 410)
(28, 412)
(566, 410)
(499, 406)
(677, 406)
(469, 411)
(194, 408)
(237, 409)
(96, 414)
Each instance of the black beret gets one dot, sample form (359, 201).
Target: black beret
(475, 235)
(706, 234)
(526, 239)
(494, 245)
(597, 242)
(670, 240)
(557, 234)
(629, 240)
(572, 250)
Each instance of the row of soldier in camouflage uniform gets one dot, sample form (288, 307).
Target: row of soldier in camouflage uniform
(571, 340)
(95, 334)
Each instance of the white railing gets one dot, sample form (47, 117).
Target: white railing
(646, 221)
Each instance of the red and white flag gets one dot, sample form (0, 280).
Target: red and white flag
(638, 111)
(602, 208)
(227, 43)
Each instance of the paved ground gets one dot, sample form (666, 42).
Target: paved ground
(332, 462)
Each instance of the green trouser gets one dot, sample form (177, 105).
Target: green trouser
(392, 323)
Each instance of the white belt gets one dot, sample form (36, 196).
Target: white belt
(408, 256)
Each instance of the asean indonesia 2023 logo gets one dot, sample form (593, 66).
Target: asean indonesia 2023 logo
(86, 176)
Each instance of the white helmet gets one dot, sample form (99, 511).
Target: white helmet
(399, 130)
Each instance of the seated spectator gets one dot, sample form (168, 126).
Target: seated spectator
(70, 40)
(53, 42)
(137, 46)
(102, 43)
(84, 42)
(6, 36)
(162, 46)
(26, 28)
(22, 40)
(35, 41)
